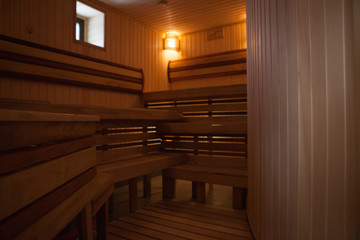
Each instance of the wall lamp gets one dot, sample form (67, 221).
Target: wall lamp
(171, 42)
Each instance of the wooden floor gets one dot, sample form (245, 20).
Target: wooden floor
(181, 220)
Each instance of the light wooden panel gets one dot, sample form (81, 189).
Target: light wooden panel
(196, 44)
(183, 16)
(302, 120)
(127, 42)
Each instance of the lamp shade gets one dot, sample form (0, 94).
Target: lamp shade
(171, 42)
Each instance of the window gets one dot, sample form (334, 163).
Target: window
(89, 26)
(80, 25)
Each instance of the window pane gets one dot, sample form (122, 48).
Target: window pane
(77, 37)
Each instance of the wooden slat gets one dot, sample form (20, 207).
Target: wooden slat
(105, 113)
(34, 182)
(217, 210)
(51, 56)
(37, 72)
(207, 71)
(142, 165)
(10, 161)
(179, 213)
(118, 138)
(196, 93)
(198, 128)
(219, 107)
(197, 210)
(49, 53)
(119, 231)
(198, 173)
(7, 115)
(198, 223)
(121, 154)
(152, 234)
(175, 64)
(214, 120)
(207, 146)
(22, 134)
(16, 223)
(179, 233)
(184, 221)
(219, 161)
(52, 223)
(181, 226)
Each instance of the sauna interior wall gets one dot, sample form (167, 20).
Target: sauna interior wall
(303, 119)
(127, 42)
(196, 44)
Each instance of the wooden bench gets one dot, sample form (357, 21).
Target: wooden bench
(47, 173)
(214, 137)
(126, 141)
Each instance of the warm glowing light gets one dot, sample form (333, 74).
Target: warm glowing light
(171, 42)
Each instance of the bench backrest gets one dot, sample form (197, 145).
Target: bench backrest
(208, 66)
(215, 130)
(27, 60)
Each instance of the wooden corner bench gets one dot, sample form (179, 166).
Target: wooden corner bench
(127, 145)
(214, 137)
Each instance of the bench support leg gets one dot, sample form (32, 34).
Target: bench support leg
(194, 190)
(239, 197)
(102, 221)
(86, 231)
(168, 184)
(147, 185)
(200, 192)
(132, 195)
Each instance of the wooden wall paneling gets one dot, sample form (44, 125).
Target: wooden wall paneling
(305, 118)
(336, 101)
(302, 120)
(53, 26)
(319, 154)
(293, 124)
(283, 164)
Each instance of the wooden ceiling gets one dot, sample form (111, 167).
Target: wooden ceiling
(182, 16)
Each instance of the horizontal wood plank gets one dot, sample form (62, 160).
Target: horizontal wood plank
(36, 72)
(121, 154)
(12, 160)
(219, 161)
(104, 113)
(240, 147)
(199, 128)
(196, 93)
(170, 220)
(9, 115)
(119, 138)
(199, 173)
(53, 222)
(142, 165)
(21, 188)
(219, 107)
(19, 221)
(203, 60)
(23, 134)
